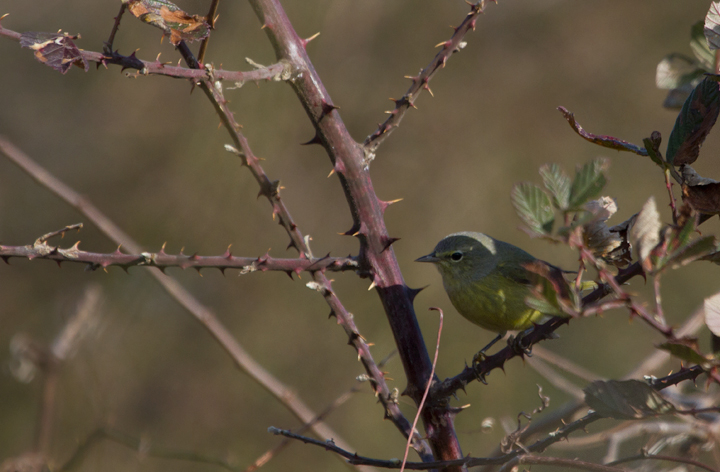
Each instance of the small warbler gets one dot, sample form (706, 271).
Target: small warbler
(487, 282)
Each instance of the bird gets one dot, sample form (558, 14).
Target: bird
(488, 282)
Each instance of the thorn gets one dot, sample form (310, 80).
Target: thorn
(413, 292)
(332, 313)
(427, 87)
(339, 166)
(6, 258)
(306, 41)
(117, 251)
(289, 273)
(228, 254)
(162, 249)
(384, 204)
(314, 140)
(389, 243)
(331, 173)
(443, 44)
(264, 26)
(372, 286)
(351, 232)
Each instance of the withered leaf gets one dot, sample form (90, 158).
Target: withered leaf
(56, 50)
(171, 19)
(626, 399)
(701, 193)
(645, 233)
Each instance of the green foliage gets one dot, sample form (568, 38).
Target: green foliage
(534, 208)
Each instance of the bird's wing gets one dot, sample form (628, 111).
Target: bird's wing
(516, 272)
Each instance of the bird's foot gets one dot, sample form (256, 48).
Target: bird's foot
(481, 356)
(476, 366)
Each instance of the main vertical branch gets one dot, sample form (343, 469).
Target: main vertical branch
(376, 253)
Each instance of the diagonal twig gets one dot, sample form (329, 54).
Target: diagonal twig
(203, 314)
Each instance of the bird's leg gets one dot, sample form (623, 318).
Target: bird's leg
(480, 356)
(518, 345)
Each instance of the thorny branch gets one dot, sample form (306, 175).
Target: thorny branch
(270, 190)
(539, 446)
(203, 314)
(162, 260)
(421, 82)
(275, 72)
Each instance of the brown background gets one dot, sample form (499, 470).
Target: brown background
(151, 156)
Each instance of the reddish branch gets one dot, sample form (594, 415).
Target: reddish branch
(349, 164)
(162, 260)
(422, 80)
(271, 191)
(273, 72)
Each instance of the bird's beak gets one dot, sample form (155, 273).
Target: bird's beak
(429, 258)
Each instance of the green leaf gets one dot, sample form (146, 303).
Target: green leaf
(651, 145)
(694, 122)
(700, 48)
(557, 183)
(626, 399)
(686, 350)
(533, 206)
(589, 182)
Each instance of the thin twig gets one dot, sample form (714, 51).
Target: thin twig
(210, 18)
(680, 460)
(139, 444)
(421, 81)
(427, 388)
(560, 462)
(203, 314)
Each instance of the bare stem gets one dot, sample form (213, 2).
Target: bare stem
(204, 315)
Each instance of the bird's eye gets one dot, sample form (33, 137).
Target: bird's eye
(456, 256)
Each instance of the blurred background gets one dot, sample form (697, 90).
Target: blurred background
(150, 154)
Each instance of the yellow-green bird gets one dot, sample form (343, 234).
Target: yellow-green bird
(487, 282)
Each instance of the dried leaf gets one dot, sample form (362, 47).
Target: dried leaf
(701, 193)
(171, 19)
(645, 233)
(694, 122)
(609, 244)
(626, 399)
(533, 206)
(56, 50)
(605, 141)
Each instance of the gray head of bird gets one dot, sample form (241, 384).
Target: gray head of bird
(465, 255)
